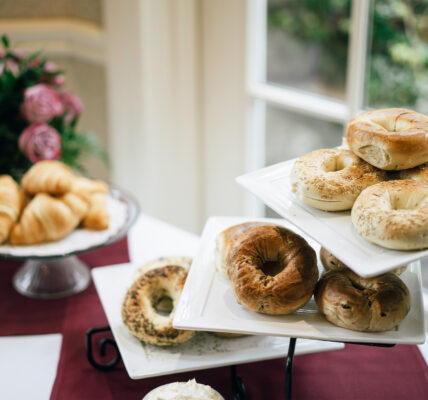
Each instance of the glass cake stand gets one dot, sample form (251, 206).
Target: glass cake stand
(57, 275)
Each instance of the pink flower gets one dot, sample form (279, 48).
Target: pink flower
(41, 103)
(39, 142)
(72, 106)
(10, 62)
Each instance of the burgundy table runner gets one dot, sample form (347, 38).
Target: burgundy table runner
(357, 372)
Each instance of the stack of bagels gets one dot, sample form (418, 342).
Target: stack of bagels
(382, 177)
(272, 270)
(381, 174)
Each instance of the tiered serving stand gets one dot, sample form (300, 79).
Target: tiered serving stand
(220, 312)
(57, 274)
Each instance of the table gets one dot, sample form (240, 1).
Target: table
(356, 372)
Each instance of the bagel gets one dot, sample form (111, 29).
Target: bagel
(419, 173)
(140, 306)
(393, 214)
(362, 304)
(272, 270)
(331, 179)
(225, 239)
(330, 262)
(390, 138)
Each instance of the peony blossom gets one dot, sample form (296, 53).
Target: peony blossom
(41, 103)
(72, 106)
(39, 142)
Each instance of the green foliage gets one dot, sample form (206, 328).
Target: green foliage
(396, 71)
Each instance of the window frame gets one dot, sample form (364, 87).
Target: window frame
(261, 93)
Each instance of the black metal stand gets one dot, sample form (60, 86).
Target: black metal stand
(102, 349)
(238, 387)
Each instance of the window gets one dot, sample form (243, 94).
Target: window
(313, 64)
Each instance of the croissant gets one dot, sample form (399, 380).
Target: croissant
(97, 217)
(48, 176)
(48, 218)
(11, 198)
(93, 192)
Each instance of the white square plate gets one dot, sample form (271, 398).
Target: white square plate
(218, 310)
(333, 230)
(203, 351)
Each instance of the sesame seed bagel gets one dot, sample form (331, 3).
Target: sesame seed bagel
(140, 304)
(331, 179)
(272, 270)
(362, 304)
(390, 138)
(393, 214)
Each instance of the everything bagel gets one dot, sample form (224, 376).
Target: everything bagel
(139, 308)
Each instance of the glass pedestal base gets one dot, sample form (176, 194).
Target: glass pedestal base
(52, 278)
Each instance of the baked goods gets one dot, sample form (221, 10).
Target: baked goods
(47, 218)
(272, 270)
(419, 173)
(330, 262)
(362, 304)
(225, 239)
(97, 217)
(140, 311)
(160, 262)
(49, 176)
(393, 214)
(390, 139)
(10, 205)
(331, 179)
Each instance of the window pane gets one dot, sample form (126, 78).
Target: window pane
(398, 60)
(290, 135)
(307, 44)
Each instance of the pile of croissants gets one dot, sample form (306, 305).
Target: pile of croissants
(50, 203)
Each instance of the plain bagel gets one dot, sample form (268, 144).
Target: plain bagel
(140, 312)
(331, 179)
(390, 139)
(362, 304)
(272, 270)
(393, 214)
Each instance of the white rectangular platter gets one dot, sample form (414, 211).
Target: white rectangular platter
(218, 310)
(205, 350)
(333, 230)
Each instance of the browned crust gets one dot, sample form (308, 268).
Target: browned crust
(400, 132)
(137, 311)
(362, 304)
(283, 293)
(329, 261)
(419, 173)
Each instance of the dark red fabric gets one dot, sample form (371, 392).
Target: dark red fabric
(357, 372)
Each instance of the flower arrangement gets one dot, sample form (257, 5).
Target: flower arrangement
(38, 117)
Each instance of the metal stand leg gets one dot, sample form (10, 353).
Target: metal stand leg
(238, 387)
(289, 368)
(102, 349)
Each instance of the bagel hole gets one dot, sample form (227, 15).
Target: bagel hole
(383, 315)
(338, 163)
(272, 268)
(162, 303)
(357, 286)
(346, 307)
(399, 201)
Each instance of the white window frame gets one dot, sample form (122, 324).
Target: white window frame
(291, 99)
